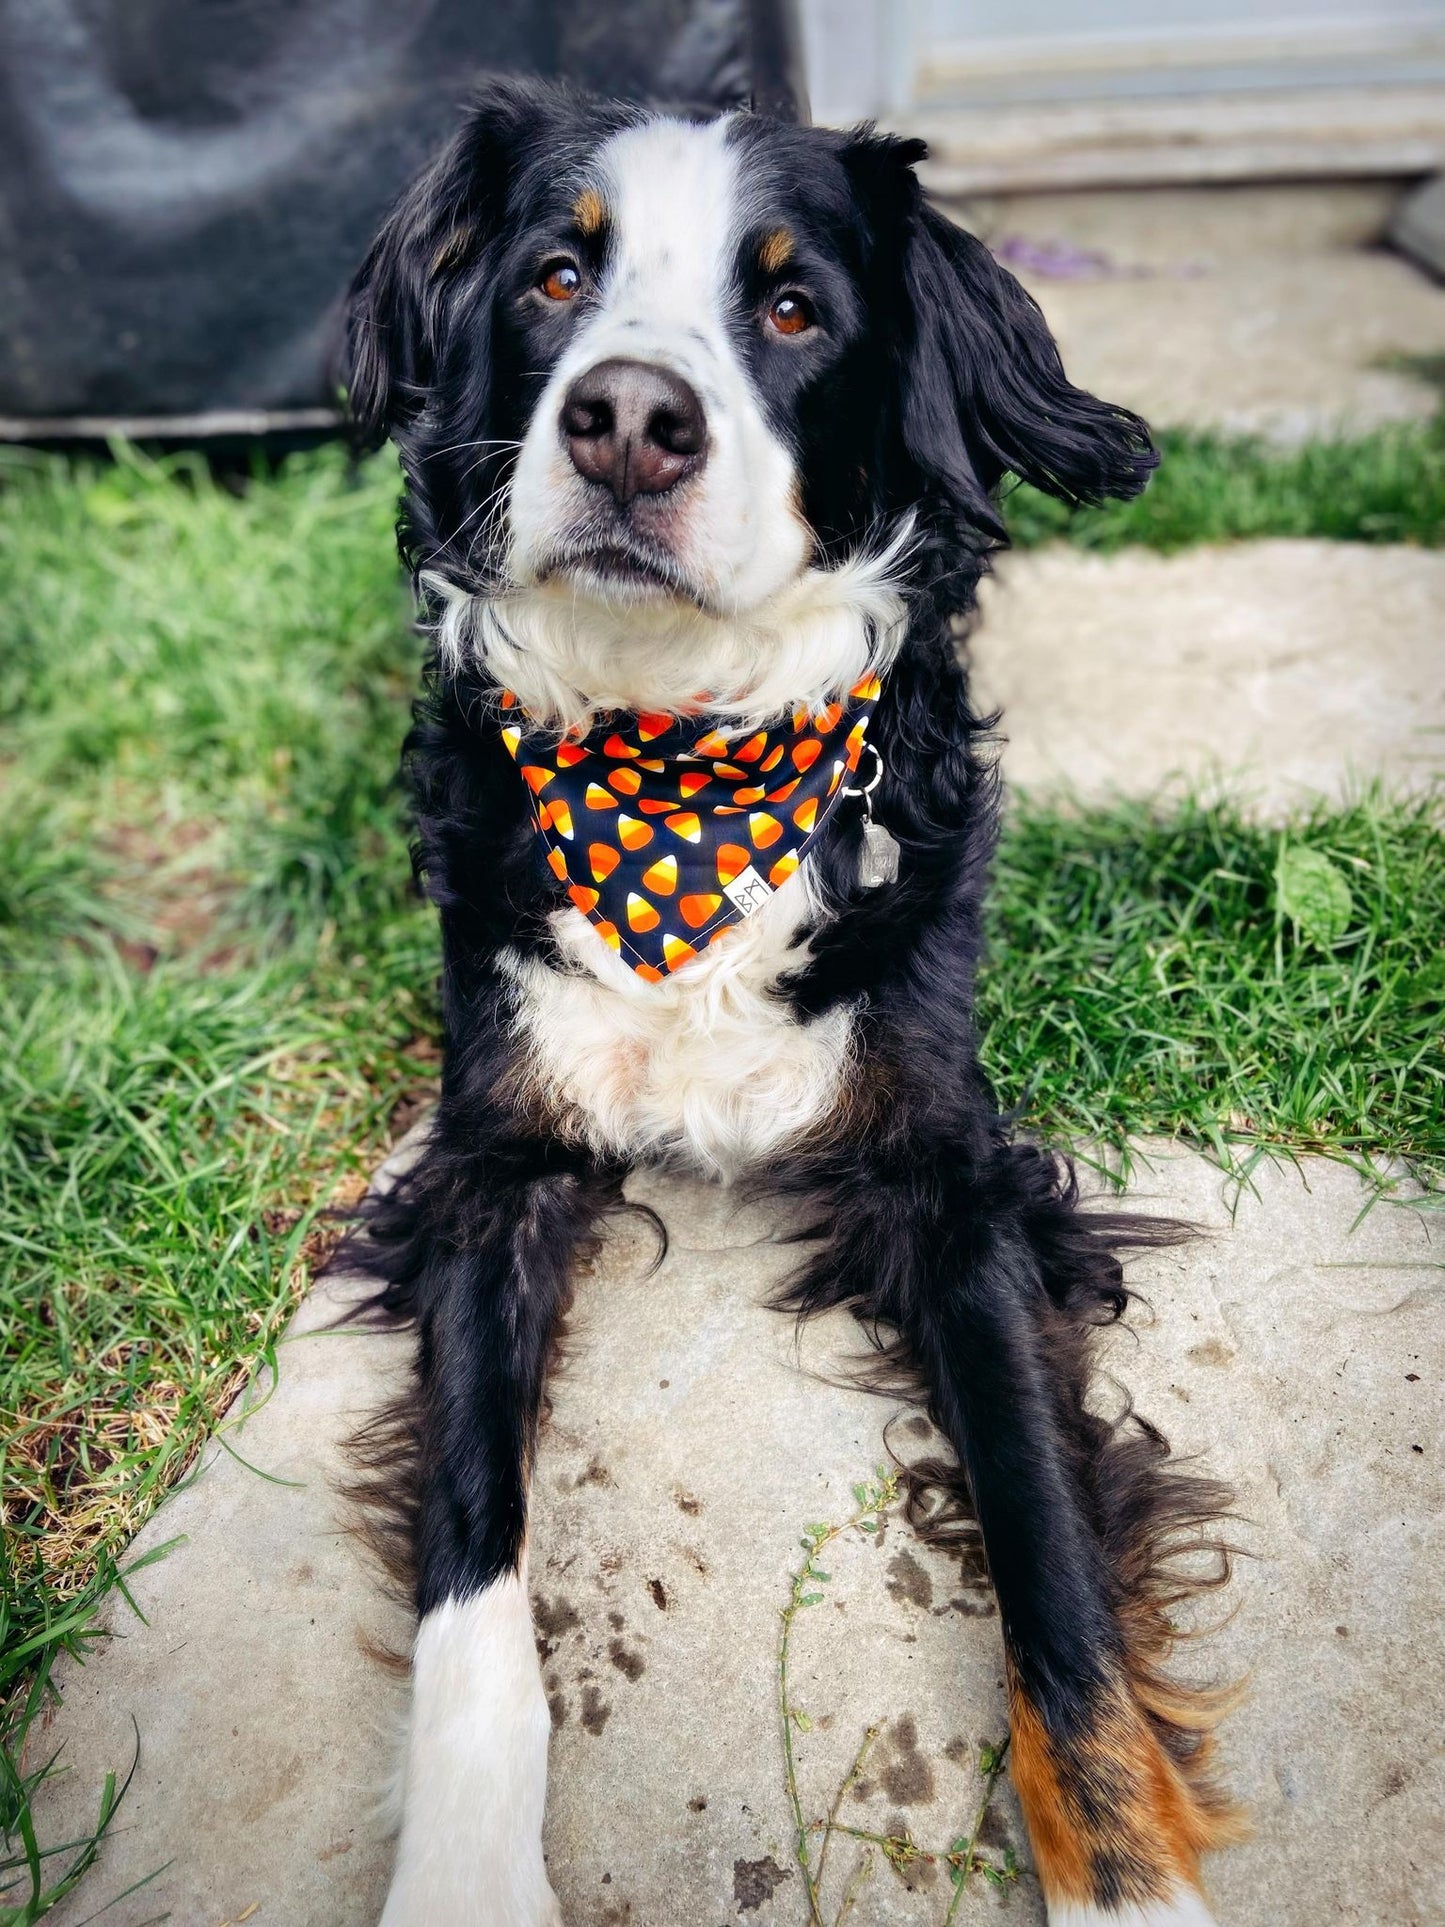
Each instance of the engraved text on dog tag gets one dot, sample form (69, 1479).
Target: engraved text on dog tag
(879, 860)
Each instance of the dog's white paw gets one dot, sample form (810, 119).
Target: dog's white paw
(512, 1896)
(1183, 1908)
(474, 1782)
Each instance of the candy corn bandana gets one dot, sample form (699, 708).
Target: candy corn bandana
(667, 833)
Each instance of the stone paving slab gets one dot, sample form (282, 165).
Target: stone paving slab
(1251, 310)
(688, 1446)
(263, 1724)
(1290, 667)
(1168, 229)
(997, 133)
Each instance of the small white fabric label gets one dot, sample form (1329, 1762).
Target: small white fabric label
(748, 892)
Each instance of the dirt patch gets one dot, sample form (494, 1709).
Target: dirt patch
(756, 1881)
(552, 1622)
(908, 1582)
(904, 1771)
(595, 1711)
(630, 1665)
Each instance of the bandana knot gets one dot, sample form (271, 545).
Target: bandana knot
(667, 832)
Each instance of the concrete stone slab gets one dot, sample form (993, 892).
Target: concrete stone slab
(1164, 230)
(1418, 227)
(262, 1721)
(1304, 1362)
(993, 132)
(1253, 310)
(688, 1446)
(1302, 665)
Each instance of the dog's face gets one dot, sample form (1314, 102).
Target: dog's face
(677, 319)
(665, 379)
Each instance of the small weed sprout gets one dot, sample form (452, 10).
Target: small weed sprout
(873, 1499)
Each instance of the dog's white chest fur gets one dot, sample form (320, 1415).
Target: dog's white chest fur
(709, 1068)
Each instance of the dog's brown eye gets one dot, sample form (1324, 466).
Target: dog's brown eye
(561, 281)
(790, 315)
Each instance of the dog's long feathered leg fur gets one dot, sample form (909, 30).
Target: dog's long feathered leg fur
(476, 1249)
(993, 1281)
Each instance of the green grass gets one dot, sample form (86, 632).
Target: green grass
(216, 989)
(1388, 486)
(1183, 971)
(215, 986)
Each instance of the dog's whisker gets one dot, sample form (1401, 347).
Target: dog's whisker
(483, 441)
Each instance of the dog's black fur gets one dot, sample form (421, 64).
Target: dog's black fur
(963, 1246)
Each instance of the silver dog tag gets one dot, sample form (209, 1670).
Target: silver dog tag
(878, 862)
(878, 859)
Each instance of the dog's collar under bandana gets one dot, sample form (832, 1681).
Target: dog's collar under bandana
(667, 832)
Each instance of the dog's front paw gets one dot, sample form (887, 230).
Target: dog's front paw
(475, 1782)
(463, 1894)
(1184, 1908)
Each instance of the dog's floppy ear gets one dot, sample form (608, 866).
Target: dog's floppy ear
(982, 391)
(398, 304)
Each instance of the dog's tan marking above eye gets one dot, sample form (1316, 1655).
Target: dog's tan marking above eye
(589, 212)
(775, 251)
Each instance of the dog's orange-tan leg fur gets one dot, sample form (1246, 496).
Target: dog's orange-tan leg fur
(1117, 1824)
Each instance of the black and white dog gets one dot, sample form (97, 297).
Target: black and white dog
(701, 419)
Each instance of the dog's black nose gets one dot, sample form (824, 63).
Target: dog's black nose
(633, 427)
